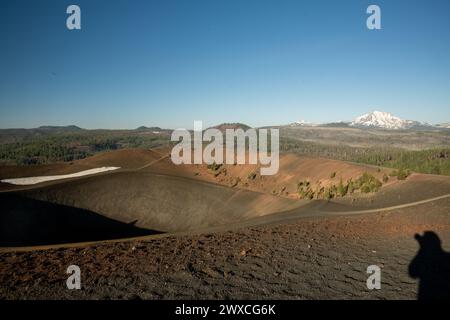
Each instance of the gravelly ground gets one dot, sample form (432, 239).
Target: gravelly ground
(310, 258)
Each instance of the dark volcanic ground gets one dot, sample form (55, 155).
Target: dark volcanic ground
(309, 258)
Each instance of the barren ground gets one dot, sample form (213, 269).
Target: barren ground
(309, 258)
(259, 244)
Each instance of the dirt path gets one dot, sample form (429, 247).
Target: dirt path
(307, 258)
(152, 162)
(313, 209)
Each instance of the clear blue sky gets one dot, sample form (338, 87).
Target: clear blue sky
(168, 63)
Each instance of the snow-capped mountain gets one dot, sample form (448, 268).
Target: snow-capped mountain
(376, 119)
(385, 120)
(303, 123)
(444, 125)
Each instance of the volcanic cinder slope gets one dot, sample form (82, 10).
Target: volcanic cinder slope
(164, 203)
(221, 239)
(147, 200)
(151, 193)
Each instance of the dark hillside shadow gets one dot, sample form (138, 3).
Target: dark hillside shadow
(29, 222)
(431, 266)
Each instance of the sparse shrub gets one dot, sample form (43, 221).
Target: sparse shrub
(319, 192)
(365, 188)
(214, 166)
(251, 176)
(305, 183)
(350, 186)
(342, 189)
(368, 183)
(235, 181)
(393, 173)
(304, 189)
(365, 183)
(329, 192)
(220, 171)
(334, 189)
(402, 174)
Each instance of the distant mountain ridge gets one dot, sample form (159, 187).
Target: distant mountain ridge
(384, 120)
(303, 123)
(144, 128)
(235, 125)
(61, 128)
(444, 125)
(376, 120)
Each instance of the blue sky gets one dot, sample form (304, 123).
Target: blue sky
(168, 63)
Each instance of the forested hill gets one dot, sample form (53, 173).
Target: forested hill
(52, 144)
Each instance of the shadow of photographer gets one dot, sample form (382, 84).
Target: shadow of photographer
(431, 266)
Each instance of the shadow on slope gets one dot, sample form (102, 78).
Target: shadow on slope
(29, 222)
(164, 203)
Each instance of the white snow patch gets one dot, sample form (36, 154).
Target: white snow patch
(34, 180)
(303, 123)
(386, 120)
